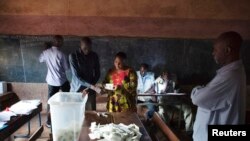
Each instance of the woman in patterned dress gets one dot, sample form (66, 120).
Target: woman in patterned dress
(124, 80)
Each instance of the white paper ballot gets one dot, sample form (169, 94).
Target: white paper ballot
(2, 125)
(5, 115)
(115, 132)
(24, 107)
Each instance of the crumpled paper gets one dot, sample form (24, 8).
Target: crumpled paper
(114, 132)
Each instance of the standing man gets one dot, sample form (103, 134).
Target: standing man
(222, 100)
(57, 64)
(85, 69)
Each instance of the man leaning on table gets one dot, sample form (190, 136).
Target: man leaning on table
(223, 100)
(85, 68)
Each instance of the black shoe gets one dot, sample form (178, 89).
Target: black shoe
(48, 124)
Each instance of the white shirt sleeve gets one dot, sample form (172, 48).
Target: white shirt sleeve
(42, 57)
(212, 96)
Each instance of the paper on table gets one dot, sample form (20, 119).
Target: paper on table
(2, 125)
(24, 107)
(35, 102)
(115, 132)
(5, 115)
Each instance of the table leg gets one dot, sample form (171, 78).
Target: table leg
(40, 121)
(24, 136)
(179, 120)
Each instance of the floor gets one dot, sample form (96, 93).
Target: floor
(34, 126)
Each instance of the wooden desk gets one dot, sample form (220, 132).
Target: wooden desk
(16, 122)
(164, 94)
(124, 117)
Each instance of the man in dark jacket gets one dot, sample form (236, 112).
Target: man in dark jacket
(85, 68)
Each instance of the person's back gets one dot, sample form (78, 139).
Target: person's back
(56, 64)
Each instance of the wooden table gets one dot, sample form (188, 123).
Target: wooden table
(18, 121)
(163, 94)
(123, 117)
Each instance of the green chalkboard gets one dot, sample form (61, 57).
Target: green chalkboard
(191, 60)
(11, 64)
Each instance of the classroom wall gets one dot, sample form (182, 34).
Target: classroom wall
(133, 18)
(190, 59)
(175, 35)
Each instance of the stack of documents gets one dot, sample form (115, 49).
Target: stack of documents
(2, 125)
(115, 132)
(24, 107)
(4, 117)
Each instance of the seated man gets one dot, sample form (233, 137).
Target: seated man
(145, 85)
(165, 85)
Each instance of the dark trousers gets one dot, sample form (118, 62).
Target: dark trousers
(54, 89)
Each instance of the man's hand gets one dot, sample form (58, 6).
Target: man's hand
(96, 89)
(196, 88)
(85, 92)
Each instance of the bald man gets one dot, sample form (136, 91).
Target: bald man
(222, 100)
(85, 68)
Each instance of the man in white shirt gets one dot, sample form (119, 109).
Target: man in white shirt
(146, 85)
(222, 100)
(57, 64)
(145, 82)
